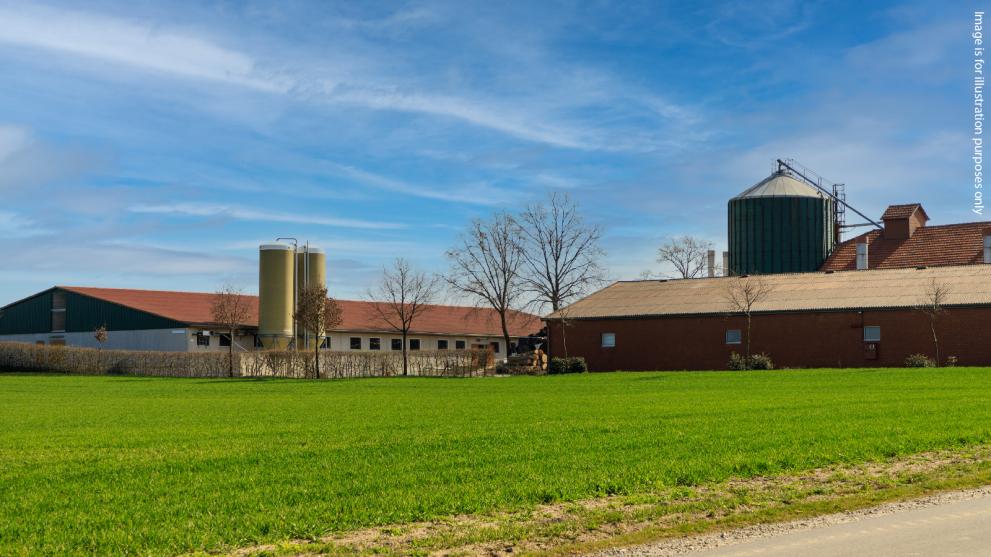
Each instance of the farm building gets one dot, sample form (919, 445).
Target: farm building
(819, 319)
(182, 321)
(830, 303)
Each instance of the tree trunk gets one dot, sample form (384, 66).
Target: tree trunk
(932, 325)
(505, 331)
(230, 354)
(564, 337)
(316, 359)
(749, 327)
(405, 360)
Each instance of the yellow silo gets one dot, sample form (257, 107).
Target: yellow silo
(311, 270)
(275, 295)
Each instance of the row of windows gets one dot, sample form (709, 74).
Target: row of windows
(374, 343)
(872, 333)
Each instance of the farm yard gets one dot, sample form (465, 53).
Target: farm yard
(96, 464)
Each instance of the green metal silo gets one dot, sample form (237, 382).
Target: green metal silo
(780, 225)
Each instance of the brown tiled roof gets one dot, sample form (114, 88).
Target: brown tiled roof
(897, 288)
(194, 308)
(903, 211)
(950, 244)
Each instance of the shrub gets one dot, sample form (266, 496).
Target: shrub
(577, 365)
(919, 360)
(738, 362)
(761, 361)
(557, 366)
(567, 365)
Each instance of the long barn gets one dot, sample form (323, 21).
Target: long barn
(821, 319)
(182, 321)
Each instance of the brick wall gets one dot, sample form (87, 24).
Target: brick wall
(833, 339)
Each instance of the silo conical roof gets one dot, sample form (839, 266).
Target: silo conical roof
(780, 184)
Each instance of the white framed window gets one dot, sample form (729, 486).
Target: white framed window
(872, 333)
(734, 336)
(608, 340)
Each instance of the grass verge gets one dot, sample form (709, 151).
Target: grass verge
(598, 524)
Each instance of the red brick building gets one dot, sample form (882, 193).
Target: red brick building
(828, 319)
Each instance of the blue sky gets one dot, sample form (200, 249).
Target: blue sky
(155, 144)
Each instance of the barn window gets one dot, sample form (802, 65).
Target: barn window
(374, 343)
(441, 344)
(734, 336)
(608, 340)
(225, 340)
(397, 344)
(355, 343)
(459, 345)
(872, 333)
(325, 343)
(414, 344)
(202, 339)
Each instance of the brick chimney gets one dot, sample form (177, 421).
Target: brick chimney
(901, 221)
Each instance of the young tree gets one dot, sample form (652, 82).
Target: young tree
(561, 252)
(742, 294)
(402, 295)
(486, 266)
(933, 302)
(231, 310)
(688, 255)
(100, 334)
(317, 313)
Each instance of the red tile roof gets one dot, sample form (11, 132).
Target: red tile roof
(903, 211)
(194, 308)
(951, 244)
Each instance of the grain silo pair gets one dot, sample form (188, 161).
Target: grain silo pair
(790, 222)
(284, 270)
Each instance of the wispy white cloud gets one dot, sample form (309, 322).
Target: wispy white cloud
(549, 115)
(477, 193)
(133, 43)
(250, 214)
(13, 225)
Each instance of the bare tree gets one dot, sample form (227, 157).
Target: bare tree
(742, 294)
(316, 313)
(230, 308)
(687, 254)
(561, 252)
(401, 296)
(486, 266)
(933, 302)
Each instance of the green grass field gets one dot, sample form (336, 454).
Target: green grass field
(163, 466)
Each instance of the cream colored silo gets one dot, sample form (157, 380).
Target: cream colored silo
(275, 295)
(311, 270)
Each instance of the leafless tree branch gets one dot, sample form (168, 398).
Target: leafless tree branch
(401, 296)
(561, 253)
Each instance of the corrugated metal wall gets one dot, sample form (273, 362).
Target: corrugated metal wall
(32, 315)
(780, 234)
(83, 313)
